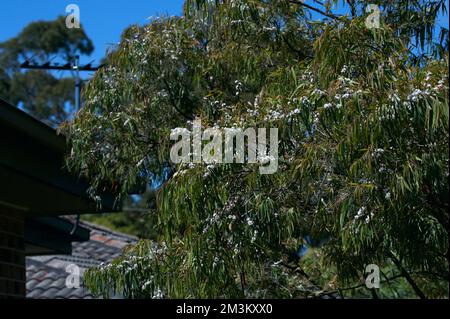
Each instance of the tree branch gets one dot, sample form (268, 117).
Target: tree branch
(174, 103)
(329, 15)
(340, 290)
(407, 276)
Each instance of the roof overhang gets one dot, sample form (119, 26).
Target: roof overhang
(52, 235)
(32, 171)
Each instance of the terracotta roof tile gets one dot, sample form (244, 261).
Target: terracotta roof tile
(46, 275)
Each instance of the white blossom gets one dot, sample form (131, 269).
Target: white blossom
(361, 212)
(377, 152)
(158, 294)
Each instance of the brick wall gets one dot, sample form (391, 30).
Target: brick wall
(12, 253)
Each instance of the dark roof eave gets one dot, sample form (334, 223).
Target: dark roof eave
(27, 124)
(31, 150)
(53, 235)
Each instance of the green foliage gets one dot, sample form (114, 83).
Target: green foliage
(43, 95)
(363, 153)
(138, 217)
(4, 84)
(139, 224)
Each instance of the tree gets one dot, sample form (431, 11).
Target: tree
(4, 83)
(363, 150)
(41, 93)
(138, 217)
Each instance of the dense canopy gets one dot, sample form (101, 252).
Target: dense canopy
(362, 115)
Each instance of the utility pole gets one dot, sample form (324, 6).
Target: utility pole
(77, 82)
(72, 66)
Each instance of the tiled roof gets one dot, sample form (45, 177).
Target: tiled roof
(46, 275)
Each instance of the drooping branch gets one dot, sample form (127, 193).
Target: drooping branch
(299, 53)
(361, 285)
(175, 104)
(407, 276)
(340, 290)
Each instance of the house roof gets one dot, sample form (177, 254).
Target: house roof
(52, 235)
(46, 275)
(32, 169)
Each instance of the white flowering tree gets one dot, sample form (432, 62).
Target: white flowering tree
(363, 168)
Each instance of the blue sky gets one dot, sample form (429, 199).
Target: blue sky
(103, 20)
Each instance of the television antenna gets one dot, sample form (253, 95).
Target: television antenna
(73, 66)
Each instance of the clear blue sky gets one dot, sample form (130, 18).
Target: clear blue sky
(102, 20)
